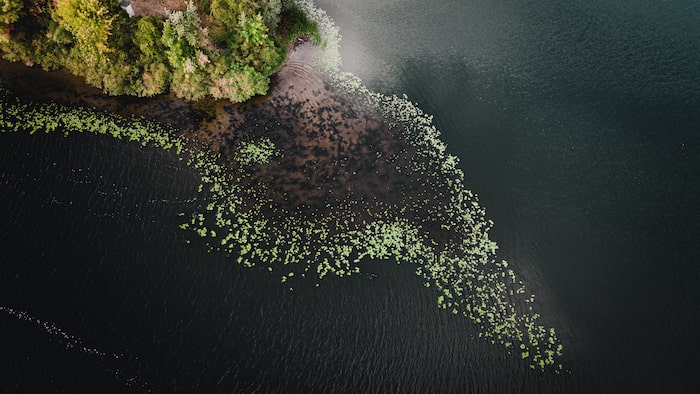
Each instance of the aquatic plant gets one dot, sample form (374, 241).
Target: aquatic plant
(466, 272)
(17, 116)
(329, 59)
(259, 152)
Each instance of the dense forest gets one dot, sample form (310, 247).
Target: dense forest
(220, 48)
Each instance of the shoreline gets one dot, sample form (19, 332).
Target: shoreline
(327, 140)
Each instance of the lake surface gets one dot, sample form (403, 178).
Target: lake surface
(577, 125)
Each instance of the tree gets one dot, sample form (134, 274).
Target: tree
(185, 42)
(270, 11)
(144, 55)
(90, 22)
(226, 12)
(182, 35)
(236, 82)
(152, 61)
(253, 46)
(10, 11)
(147, 38)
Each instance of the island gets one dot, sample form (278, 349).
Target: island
(225, 49)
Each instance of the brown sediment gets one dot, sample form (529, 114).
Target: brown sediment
(335, 150)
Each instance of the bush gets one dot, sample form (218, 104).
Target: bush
(145, 56)
(10, 11)
(270, 10)
(253, 46)
(236, 82)
(226, 12)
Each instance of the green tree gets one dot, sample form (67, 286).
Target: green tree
(227, 12)
(152, 61)
(236, 82)
(270, 11)
(147, 38)
(10, 11)
(29, 38)
(155, 79)
(253, 46)
(90, 22)
(144, 55)
(187, 53)
(183, 36)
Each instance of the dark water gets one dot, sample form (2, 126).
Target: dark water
(577, 124)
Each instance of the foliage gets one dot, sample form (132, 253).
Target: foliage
(145, 56)
(270, 10)
(28, 39)
(155, 79)
(10, 11)
(100, 34)
(236, 82)
(90, 23)
(147, 38)
(253, 46)
(182, 36)
(152, 61)
(328, 32)
(226, 12)
(302, 26)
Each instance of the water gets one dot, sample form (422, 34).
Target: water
(575, 123)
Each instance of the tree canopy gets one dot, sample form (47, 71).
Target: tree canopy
(10, 11)
(232, 58)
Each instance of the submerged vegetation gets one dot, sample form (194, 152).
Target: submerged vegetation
(220, 48)
(469, 278)
(449, 244)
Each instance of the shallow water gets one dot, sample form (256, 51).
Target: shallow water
(576, 124)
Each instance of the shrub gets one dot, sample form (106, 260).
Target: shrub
(226, 12)
(10, 11)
